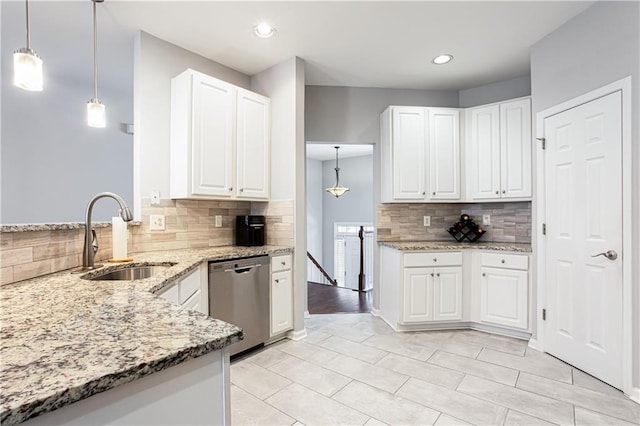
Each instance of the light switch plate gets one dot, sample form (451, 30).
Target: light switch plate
(218, 221)
(486, 219)
(426, 220)
(156, 222)
(155, 198)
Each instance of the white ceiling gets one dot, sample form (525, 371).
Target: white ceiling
(360, 44)
(327, 151)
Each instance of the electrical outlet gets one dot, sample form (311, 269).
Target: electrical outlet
(218, 221)
(156, 222)
(486, 219)
(155, 198)
(426, 220)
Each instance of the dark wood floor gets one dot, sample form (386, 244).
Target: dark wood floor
(328, 299)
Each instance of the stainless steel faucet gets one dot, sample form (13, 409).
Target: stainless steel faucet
(90, 240)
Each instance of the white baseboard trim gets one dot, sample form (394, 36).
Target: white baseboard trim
(375, 312)
(533, 344)
(307, 315)
(297, 335)
(635, 395)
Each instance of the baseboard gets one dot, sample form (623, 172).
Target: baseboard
(297, 335)
(533, 344)
(307, 315)
(375, 312)
(635, 395)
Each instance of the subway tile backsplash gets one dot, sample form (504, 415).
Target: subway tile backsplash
(510, 221)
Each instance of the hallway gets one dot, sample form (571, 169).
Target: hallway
(328, 299)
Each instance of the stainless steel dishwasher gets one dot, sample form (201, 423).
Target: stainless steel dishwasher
(239, 294)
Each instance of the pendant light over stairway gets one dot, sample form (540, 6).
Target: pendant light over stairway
(27, 65)
(96, 111)
(337, 190)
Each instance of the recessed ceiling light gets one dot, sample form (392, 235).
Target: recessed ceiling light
(442, 59)
(264, 30)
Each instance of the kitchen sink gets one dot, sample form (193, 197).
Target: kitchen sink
(131, 273)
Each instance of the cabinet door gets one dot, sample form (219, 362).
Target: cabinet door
(417, 295)
(447, 294)
(484, 153)
(171, 293)
(444, 154)
(408, 153)
(253, 141)
(281, 302)
(515, 148)
(503, 297)
(213, 134)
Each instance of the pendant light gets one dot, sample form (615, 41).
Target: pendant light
(96, 111)
(27, 66)
(337, 190)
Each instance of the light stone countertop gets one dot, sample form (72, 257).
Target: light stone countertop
(65, 338)
(453, 245)
(30, 227)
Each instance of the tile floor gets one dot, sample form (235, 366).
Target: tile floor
(352, 369)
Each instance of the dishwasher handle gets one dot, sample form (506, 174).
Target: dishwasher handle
(243, 269)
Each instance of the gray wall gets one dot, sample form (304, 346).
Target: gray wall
(314, 208)
(157, 63)
(495, 92)
(52, 162)
(352, 114)
(599, 46)
(357, 205)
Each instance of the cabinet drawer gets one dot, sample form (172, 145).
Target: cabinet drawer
(510, 261)
(280, 263)
(189, 285)
(432, 259)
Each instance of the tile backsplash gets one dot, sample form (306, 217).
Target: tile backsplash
(510, 221)
(188, 224)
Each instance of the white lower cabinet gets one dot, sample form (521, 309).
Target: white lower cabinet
(504, 291)
(421, 289)
(190, 291)
(281, 294)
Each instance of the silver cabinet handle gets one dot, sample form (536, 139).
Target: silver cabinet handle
(432, 274)
(241, 189)
(503, 261)
(438, 274)
(435, 259)
(277, 281)
(497, 192)
(434, 193)
(611, 255)
(484, 274)
(283, 263)
(504, 192)
(231, 188)
(424, 193)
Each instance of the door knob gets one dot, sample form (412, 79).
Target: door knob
(611, 255)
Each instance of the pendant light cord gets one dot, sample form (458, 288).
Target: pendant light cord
(28, 32)
(95, 48)
(337, 168)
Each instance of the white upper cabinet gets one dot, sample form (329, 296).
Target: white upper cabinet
(499, 151)
(444, 154)
(420, 153)
(220, 137)
(515, 149)
(254, 128)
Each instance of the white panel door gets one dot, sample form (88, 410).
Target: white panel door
(447, 294)
(444, 154)
(504, 297)
(409, 153)
(253, 141)
(281, 302)
(417, 295)
(584, 217)
(515, 149)
(484, 153)
(212, 154)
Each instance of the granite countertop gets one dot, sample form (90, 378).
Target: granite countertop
(57, 226)
(65, 338)
(453, 245)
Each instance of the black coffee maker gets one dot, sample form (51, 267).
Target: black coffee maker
(250, 230)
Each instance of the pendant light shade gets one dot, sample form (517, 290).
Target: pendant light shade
(337, 190)
(96, 110)
(27, 65)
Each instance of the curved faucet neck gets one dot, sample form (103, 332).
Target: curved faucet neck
(125, 213)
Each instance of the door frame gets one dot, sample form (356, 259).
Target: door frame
(624, 86)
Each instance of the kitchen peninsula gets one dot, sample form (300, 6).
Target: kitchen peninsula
(66, 338)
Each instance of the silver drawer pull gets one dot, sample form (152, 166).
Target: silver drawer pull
(484, 275)
(435, 259)
(438, 274)
(503, 261)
